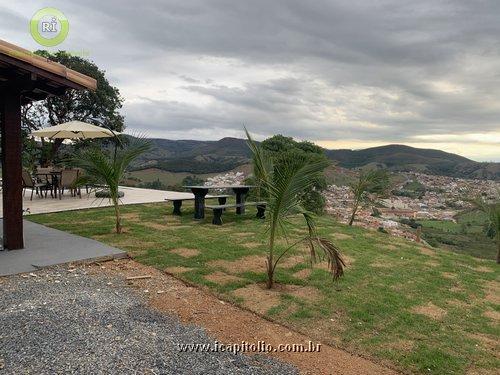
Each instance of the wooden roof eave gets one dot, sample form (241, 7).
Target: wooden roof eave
(19, 58)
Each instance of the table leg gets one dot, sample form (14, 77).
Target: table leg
(199, 203)
(240, 199)
(177, 207)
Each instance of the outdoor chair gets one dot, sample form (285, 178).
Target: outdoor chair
(68, 181)
(81, 172)
(30, 183)
(44, 175)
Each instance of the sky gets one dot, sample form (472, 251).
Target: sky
(344, 74)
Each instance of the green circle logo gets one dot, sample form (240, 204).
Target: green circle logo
(49, 27)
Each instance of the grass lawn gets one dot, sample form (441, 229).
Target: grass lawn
(423, 310)
(466, 236)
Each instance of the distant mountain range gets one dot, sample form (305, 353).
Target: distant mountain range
(199, 157)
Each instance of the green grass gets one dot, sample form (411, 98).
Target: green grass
(445, 226)
(466, 236)
(414, 186)
(370, 311)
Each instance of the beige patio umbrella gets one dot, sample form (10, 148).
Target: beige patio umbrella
(74, 130)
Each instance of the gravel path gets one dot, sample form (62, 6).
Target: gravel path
(67, 321)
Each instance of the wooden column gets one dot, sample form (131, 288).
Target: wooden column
(10, 109)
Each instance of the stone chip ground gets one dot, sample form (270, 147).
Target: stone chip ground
(68, 321)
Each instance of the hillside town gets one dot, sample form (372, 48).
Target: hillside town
(417, 196)
(433, 198)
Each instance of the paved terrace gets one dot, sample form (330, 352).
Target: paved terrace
(132, 196)
(47, 247)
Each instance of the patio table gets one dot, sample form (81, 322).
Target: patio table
(201, 191)
(55, 176)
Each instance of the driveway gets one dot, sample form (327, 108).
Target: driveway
(64, 320)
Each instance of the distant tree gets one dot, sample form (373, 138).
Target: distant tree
(375, 181)
(283, 184)
(285, 150)
(155, 184)
(492, 211)
(83, 105)
(192, 180)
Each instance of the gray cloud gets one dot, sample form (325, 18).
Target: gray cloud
(379, 71)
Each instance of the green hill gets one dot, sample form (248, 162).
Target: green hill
(200, 157)
(405, 158)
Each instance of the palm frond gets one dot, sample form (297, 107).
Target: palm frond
(262, 165)
(332, 253)
(284, 185)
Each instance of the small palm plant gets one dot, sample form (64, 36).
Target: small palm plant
(492, 211)
(106, 167)
(374, 181)
(282, 187)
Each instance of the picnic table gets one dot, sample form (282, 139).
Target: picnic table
(201, 191)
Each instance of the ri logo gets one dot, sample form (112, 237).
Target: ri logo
(49, 27)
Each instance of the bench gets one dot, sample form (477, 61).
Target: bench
(178, 202)
(217, 209)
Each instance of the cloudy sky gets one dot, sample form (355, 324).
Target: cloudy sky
(345, 74)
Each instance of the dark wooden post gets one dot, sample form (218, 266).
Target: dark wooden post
(12, 181)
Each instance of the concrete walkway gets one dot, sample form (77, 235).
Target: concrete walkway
(132, 196)
(47, 247)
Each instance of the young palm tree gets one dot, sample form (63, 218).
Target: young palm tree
(492, 211)
(106, 167)
(282, 187)
(373, 181)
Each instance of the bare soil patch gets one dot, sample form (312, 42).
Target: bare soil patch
(131, 216)
(305, 292)
(177, 270)
(153, 225)
(427, 251)
(484, 269)
(492, 314)
(251, 263)
(257, 298)
(239, 234)
(292, 260)
(342, 236)
(229, 324)
(222, 278)
(489, 343)
(134, 246)
(457, 289)
(390, 247)
(185, 252)
(251, 245)
(449, 275)
(457, 303)
(432, 263)
(302, 274)
(431, 311)
(380, 264)
(175, 226)
(492, 290)
(404, 345)
(481, 371)
(260, 299)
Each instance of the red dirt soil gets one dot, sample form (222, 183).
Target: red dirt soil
(230, 324)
